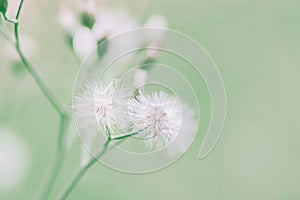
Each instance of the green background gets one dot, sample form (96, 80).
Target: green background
(255, 44)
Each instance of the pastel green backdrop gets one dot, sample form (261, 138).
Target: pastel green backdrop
(256, 46)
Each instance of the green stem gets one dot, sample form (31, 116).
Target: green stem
(35, 76)
(122, 136)
(9, 20)
(82, 170)
(56, 163)
(59, 155)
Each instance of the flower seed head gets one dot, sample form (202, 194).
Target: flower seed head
(156, 117)
(102, 105)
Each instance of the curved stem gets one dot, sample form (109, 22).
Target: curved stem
(122, 136)
(82, 170)
(59, 155)
(35, 76)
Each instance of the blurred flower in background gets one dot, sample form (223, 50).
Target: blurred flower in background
(85, 31)
(14, 160)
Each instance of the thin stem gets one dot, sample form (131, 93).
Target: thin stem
(122, 136)
(9, 20)
(82, 170)
(56, 163)
(19, 9)
(35, 76)
(60, 149)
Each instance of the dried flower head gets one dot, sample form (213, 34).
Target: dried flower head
(102, 105)
(156, 117)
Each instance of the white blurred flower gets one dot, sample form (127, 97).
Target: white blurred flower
(87, 6)
(140, 77)
(102, 105)
(156, 21)
(110, 22)
(156, 118)
(155, 37)
(84, 42)
(14, 160)
(67, 19)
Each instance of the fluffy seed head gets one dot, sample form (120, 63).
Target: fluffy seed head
(156, 117)
(103, 105)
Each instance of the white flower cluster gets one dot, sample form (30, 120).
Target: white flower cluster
(96, 25)
(156, 118)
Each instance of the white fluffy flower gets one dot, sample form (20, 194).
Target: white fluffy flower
(102, 105)
(110, 22)
(157, 118)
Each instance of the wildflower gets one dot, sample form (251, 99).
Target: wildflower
(67, 20)
(155, 36)
(156, 118)
(102, 105)
(110, 22)
(84, 42)
(87, 13)
(156, 21)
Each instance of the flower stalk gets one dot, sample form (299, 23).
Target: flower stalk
(81, 171)
(64, 119)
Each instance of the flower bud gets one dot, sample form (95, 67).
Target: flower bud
(140, 77)
(66, 19)
(3, 6)
(156, 21)
(87, 17)
(102, 47)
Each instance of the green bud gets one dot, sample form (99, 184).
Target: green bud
(87, 19)
(3, 6)
(147, 64)
(102, 47)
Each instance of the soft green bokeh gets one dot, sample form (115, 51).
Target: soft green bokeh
(256, 46)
